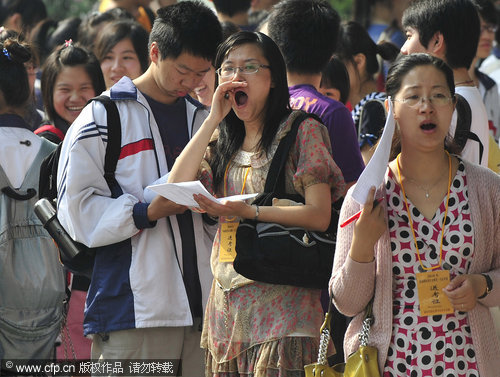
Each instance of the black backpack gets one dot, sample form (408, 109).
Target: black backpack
(464, 121)
(75, 256)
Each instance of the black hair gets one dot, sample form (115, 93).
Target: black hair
(119, 30)
(232, 129)
(335, 75)
(398, 71)
(68, 56)
(49, 34)
(188, 26)
(31, 11)
(12, 34)
(362, 10)
(228, 29)
(354, 39)
(306, 31)
(232, 7)
(497, 18)
(456, 20)
(14, 83)
(487, 11)
(92, 24)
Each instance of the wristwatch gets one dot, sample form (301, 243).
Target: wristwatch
(489, 286)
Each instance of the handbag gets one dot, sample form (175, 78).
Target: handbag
(278, 254)
(362, 363)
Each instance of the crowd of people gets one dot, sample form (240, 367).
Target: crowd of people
(208, 93)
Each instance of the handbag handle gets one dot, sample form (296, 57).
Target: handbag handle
(326, 329)
(364, 334)
(325, 335)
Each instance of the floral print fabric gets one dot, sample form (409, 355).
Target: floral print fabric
(246, 322)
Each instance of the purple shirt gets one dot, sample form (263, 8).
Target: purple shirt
(338, 120)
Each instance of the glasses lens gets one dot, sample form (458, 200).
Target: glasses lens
(489, 28)
(226, 71)
(250, 68)
(440, 100)
(435, 100)
(412, 101)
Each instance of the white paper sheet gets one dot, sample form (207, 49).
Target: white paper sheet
(182, 193)
(374, 172)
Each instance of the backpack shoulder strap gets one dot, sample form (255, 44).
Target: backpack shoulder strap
(275, 181)
(464, 121)
(113, 147)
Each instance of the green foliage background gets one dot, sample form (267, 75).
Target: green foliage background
(60, 9)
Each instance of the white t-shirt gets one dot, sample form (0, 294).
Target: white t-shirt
(479, 125)
(16, 158)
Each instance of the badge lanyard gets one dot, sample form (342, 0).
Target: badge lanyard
(431, 282)
(227, 251)
(226, 181)
(411, 222)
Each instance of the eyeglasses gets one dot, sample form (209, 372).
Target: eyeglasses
(437, 100)
(489, 28)
(247, 69)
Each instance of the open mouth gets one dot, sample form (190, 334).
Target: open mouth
(428, 126)
(75, 108)
(241, 98)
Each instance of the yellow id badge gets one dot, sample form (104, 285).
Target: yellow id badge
(227, 251)
(433, 300)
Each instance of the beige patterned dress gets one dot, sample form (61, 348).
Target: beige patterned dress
(254, 328)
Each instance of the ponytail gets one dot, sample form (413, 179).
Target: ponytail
(14, 82)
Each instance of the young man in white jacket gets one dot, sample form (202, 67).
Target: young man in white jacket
(152, 271)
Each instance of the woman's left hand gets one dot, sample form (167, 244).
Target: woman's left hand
(229, 208)
(464, 290)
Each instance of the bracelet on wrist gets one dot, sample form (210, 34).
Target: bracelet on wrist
(257, 211)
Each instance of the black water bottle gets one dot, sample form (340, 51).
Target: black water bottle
(46, 212)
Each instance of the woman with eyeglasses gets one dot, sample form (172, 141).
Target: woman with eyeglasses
(429, 254)
(253, 328)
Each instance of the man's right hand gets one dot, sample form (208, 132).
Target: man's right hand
(162, 207)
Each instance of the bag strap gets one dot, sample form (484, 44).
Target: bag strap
(464, 122)
(10, 192)
(324, 338)
(325, 330)
(113, 147)
(275, 181)
(364, 334)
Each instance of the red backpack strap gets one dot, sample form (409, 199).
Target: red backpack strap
(50, 128)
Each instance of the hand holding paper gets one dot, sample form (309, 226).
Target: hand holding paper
(182, 193)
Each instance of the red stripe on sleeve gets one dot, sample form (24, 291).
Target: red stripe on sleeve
(134, 148)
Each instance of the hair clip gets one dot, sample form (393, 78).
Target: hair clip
(7, 53)
(68, 43)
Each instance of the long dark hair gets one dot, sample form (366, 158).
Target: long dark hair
(232, 129)
(398, 71)
(354, 39)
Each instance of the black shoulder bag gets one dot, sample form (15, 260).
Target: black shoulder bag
(277, 254)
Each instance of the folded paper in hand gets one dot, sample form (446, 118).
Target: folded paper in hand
(373, 174)
(182, 193)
